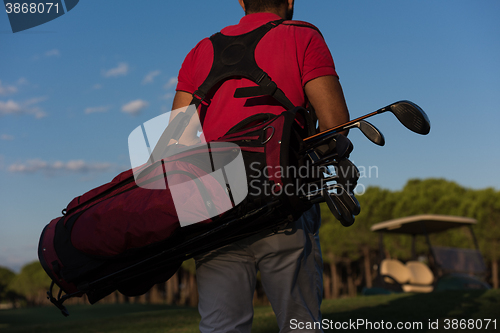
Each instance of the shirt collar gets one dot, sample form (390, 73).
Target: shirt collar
(259, 18)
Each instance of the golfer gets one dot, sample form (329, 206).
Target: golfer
(295, 56)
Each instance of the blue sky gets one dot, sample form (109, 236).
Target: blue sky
(73, 89)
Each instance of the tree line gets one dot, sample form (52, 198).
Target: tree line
(350, 255)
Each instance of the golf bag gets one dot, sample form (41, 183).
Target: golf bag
(135, 231)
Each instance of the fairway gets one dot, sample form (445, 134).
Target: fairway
(409, 309)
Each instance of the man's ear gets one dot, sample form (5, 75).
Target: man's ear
(242, 4)
(290, 4)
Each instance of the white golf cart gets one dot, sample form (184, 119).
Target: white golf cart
(441, 268)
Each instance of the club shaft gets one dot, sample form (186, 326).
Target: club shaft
(341, 126)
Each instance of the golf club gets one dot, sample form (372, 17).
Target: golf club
(339, 209)
(408, 113)
(369, 130)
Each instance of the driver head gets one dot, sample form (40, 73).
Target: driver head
(411, 116)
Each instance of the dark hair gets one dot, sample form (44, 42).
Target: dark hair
(255, 6)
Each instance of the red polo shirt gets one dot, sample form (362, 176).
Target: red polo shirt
(291, 55)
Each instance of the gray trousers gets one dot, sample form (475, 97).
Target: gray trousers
(291, 269)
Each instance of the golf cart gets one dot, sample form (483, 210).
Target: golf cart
(449, 268)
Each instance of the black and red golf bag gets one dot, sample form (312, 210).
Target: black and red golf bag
(135, 231)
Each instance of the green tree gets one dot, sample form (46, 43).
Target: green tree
(484, 205)
(345, 245)
(32, 282)
(427, 196)
(6, 276)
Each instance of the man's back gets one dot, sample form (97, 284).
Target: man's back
(292, 54)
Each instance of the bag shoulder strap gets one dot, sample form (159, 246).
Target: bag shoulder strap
(303, 24)
(234, 56)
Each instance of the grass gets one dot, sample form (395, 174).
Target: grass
(138, 318)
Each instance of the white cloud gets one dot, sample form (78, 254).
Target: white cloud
(6, 137)
(97, 86)
(9, 107)
(149, 78)
(97, 109)
(48, 54)
(34, 100)
(120, 70)
(171, 83)
(135, 107)
(59, 167)
(22, 81)
(53, 53)
(7, 90)
(26, 107)
(29, 167)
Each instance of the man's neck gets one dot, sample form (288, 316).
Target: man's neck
(281, 12)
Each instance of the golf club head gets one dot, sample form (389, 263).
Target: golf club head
(338, 209)
(371, 132)
(411, 116)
